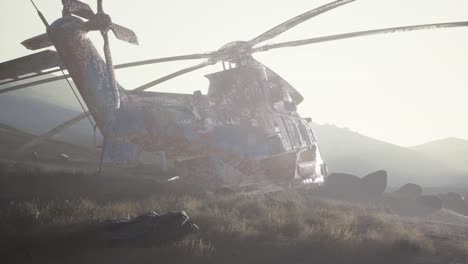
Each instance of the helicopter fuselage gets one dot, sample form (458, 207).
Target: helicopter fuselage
(248, 114)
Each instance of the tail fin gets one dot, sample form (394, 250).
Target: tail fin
(37, 42)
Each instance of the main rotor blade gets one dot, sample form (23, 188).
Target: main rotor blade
(30, 64)
(119, 66)
(360, 34)
(124, 34)
(30, 84)
(175, 74)
(167, 59)
(53, 131)
(296, 21)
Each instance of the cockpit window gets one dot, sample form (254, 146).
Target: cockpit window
(312, 135)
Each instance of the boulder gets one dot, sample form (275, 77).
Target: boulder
(455, 202)
(347, 186)
(375, 183)
(342, 186)
(452, 197)
(421, 206)
(64, 157)
(431, 201)
(342, 179)
(409, 191)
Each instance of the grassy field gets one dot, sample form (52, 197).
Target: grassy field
(288, 226)
(275, 228)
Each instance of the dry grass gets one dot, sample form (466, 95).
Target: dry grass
(281, 227)
(277, 220)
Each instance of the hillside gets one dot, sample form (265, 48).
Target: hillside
(12, 139)
(440, 163)
(40, 108)
(55, 93)
(351, 152)
(451, 151)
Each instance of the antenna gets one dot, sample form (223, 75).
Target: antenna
(40, 15)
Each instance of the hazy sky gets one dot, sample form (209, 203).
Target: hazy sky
(406, 88)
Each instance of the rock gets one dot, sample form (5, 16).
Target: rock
(342, 186)
(342, 179)
(409, 201)
(455, 202)
(347, 186)
(431, 201)
(64, 157)
(452, 197)
(422, 206)
(146, 230)
(375, 183)
(409, 191)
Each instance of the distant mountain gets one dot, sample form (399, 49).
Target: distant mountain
(40, 108)
(351, 152)
(439, 163)
(56, 93)
(451, 151)
(12, 139)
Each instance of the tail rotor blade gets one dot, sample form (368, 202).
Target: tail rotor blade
(107, 54)
(78, 8)
(37, 42)
(99, 7)
(125, 34)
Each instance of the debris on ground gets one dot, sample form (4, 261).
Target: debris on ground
(146, 230)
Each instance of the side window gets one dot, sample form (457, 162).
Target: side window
(304, 134)
(288, 131)
(312, 134)
(297, 137)
(284, 132)
(291, 129)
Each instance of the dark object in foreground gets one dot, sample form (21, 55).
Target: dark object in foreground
(350, 187)
(147, 230)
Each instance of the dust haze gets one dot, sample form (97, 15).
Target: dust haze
(328, 132)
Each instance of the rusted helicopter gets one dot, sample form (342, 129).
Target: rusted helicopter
(245, 127)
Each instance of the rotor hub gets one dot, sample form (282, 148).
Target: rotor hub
(101, 21)
(235, 51)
